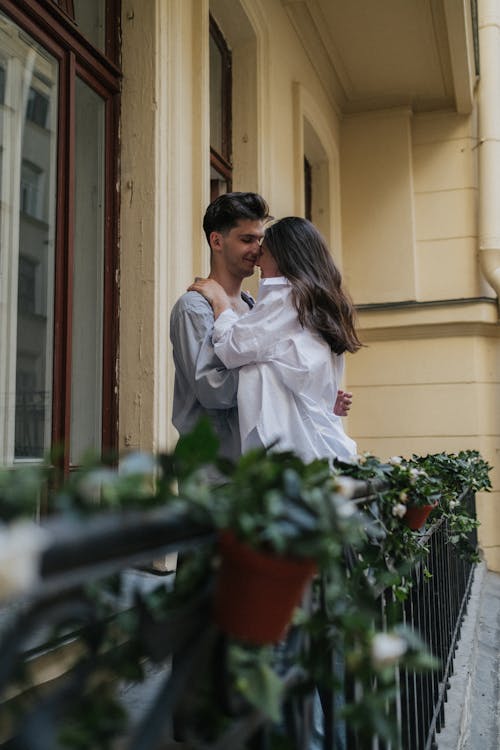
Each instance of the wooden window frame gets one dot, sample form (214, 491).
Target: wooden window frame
(307, 189)
(222, 161)
(54, 30)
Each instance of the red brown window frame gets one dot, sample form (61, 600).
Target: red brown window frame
(222, 161)
(52, 28)
(307, 189)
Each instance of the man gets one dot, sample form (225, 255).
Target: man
(234, 226)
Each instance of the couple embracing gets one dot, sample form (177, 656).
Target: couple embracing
(266, 371)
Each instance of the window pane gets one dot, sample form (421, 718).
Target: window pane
(90, 16)
(86, 393)
(2, 84)
(216, 115)
(28, 117)
(218, 184)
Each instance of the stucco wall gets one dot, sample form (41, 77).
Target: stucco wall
(164, 188)
(378, 234)
(165, 169)
(444, 155)
(397, 201)
(429, 377)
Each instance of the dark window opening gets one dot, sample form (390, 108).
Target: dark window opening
(26, 287)
(221, 172)
(2, 85)
(37, 108)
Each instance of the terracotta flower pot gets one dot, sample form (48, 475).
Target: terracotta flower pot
(256, 592)
(417, 516)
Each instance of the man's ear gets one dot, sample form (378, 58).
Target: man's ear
(215, 239)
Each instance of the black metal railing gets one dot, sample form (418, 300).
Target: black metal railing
(435, 608)
(439, 589)
(82, 552)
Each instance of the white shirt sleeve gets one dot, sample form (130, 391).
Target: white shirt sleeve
(234, 339)
(252, 338)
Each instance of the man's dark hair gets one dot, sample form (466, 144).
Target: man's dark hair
(227, 209)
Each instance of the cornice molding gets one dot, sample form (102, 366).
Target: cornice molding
(320, 50)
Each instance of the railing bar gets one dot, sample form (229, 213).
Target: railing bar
(456, 630)
(99, 540)
(435, 607)
(153, 723)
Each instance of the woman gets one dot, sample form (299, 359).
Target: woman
(290, 346)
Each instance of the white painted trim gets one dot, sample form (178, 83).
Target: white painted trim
(255, 11)
(489, 142)
(183, 183)
(305, 106)
(461, 43)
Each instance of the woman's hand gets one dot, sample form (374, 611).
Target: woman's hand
(213, 293)
(343, 403)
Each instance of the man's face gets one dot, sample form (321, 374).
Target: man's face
(239, 248)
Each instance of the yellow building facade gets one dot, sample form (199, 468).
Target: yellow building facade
(384, 100)
(379, 120)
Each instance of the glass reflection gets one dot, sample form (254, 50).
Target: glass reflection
(86, 379)
(28, 117)
(90, 16)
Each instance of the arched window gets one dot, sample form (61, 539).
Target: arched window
(221, 167)
(59, 86)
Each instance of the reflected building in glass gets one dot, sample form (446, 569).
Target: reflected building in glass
(28, 107)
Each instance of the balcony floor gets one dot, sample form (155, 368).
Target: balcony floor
(473, 709)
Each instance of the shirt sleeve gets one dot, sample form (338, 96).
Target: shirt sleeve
(251, 338)
(195, 360)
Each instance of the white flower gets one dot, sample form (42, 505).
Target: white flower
(399, 510)
(403, 496)
(395, 460)
(414, 474)
(21, 547)
(345, 486)
(344, 508)
(386, 649)
(453, 504)
(92, 484)
(137, 463)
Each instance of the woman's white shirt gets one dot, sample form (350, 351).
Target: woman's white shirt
(288, 377)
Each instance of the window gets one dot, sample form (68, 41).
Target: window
(58, 228)
(221, 170)
(26, 286)
(37, 109)
(31, 189)
(90, 15)
(2, 84)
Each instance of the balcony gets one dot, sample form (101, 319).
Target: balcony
(95, 624)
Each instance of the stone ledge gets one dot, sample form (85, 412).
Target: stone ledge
(455, 735)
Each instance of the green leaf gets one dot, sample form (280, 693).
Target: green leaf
(196, 449)
(263, 688)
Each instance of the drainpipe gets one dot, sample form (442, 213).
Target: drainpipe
(489, 140)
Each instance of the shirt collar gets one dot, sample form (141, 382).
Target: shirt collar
(274, 281)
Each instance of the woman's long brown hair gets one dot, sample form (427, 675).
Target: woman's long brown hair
(322, 305)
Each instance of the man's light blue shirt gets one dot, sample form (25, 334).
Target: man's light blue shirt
(202, 385)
